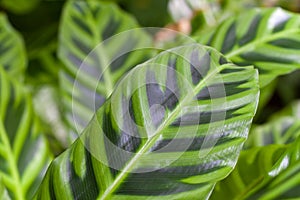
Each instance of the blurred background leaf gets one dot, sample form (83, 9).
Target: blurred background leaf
(24, 152)
(270, 172)
(91, 74)
(12, 49)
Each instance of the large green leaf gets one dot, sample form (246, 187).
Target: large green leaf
(24, 155)
(172, 128)
(12, 50)
(269, 39)
(90, 75)
(270, 172)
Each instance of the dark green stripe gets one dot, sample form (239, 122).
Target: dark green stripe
(230, 39)
(199, 66)
(111, 28)
(223, 60)
(78, 7)
(165, 181)
(280, 27)
(180, 145)
(121, 58)
(258, 57)
(80, 45)
(51, 182)
(251, 32)
(82, 26)
(168, 98)
(172, 90)
(205, 117)
(221, 90)
(14, 114)
(84, 188)
(287, 43)
(229, 71)
(129, 142)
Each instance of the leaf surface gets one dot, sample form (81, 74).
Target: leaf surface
(269, 39)
(171, 129)
(274, 174)
(95, 61)
(282, 128)
(3, 191)
(12, 50)
(24, 154)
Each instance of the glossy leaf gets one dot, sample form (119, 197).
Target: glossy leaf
(24, 154)
(269, 39)
(270, 172)
(93, 73)
(12, 50)
(171, 129)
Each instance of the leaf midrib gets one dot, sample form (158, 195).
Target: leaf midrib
(257, 42)
(128, 168)
(102, 58)
(12, 163)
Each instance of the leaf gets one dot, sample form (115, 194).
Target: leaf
(172, 128)
(274, 174)
(283, 128)
(12, 50)
(24, 156)
(3, 192)
(19, 6)
(269, 39)
(90, 75)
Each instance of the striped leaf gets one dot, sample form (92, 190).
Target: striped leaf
(93, 73)
(3, 191)
(172, 128)
(269, 39)
(274, 174)
(12, 50)
(283, 128)
(24, 156)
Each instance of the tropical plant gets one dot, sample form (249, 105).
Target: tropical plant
(110, 110)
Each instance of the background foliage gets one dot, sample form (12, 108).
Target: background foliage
(43, 43)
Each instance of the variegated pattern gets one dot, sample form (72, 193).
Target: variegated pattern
(269, 39)
(24, 153)
(3, 192)
(171, 129)
(91, 74)
(282, 128)
(275, 174)
(12, 50)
